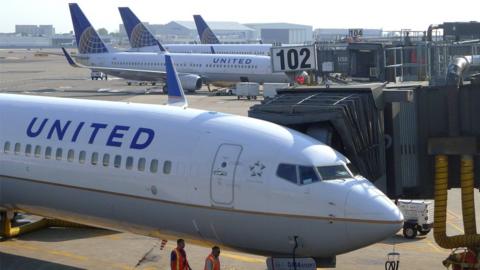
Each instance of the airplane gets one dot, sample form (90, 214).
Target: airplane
(142, 40)
(207, 36)
(173, 171)
(204, 32)
(194, 69)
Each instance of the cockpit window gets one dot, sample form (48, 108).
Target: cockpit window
(287, 172)
(353, 169)
(307, 175)
(333, 172)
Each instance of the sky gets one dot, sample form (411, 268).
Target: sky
(386, 14)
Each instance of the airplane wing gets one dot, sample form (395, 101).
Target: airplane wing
(70, 60)
(126, 73)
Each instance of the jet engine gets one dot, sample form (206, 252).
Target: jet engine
(191, 82)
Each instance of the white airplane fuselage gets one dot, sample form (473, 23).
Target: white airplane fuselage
(250, 49)
(161, 170)
(211, 68)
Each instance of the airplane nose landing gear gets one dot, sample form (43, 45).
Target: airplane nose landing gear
(295, 246)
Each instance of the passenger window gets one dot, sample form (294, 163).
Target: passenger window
(106, 160)
(58, 154)
(38, 150)
(167, 167)
(94, 159)
(129, 163)
(82, 157)
(28, 149)
(117, 162)
(48, 152)
(6, 147)
(18, 147)
(307, 175)
(70, 155)
(154, 166)
(334, 172)
(141, 164)
(287, 172)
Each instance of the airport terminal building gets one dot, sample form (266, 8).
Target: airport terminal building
(285, 33)
(186, 32)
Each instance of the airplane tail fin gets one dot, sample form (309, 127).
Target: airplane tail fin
(204, 32)
(88, 40)
(137, 32)
(160, 46)
(176, 95)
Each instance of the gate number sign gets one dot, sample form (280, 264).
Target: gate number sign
(293, 58)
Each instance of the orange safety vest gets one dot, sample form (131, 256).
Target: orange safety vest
(180, 262)
(215, 262)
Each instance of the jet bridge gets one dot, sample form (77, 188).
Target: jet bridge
(347, 119)
(388, 132)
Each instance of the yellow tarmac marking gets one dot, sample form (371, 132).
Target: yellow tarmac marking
(171, 245)
(24, 246)
(456, 227)
(114, 237)
(64, 254)
(434, 246)
(243, 258)
(454, 214)
(415, 246)
(67, 254)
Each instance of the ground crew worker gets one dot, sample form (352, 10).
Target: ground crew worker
(178, 257)
(212, 262)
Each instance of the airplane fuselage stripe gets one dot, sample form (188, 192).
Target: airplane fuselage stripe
(369, 221)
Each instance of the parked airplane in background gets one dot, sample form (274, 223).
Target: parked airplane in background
(171, 171)
(205, 34)
(142, 40)
(195, 69)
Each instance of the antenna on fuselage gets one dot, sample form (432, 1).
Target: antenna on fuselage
(176, 95)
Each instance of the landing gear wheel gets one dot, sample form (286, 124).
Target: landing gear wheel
(424, 232)
(410, 232)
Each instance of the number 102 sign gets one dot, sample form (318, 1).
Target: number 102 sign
(293, 58)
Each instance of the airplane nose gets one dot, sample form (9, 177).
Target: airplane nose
(371, 215)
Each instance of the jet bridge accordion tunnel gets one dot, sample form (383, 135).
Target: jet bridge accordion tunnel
(393, 135)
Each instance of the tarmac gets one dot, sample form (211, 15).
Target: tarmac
(23, 72)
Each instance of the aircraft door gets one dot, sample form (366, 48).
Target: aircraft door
(222, 177)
